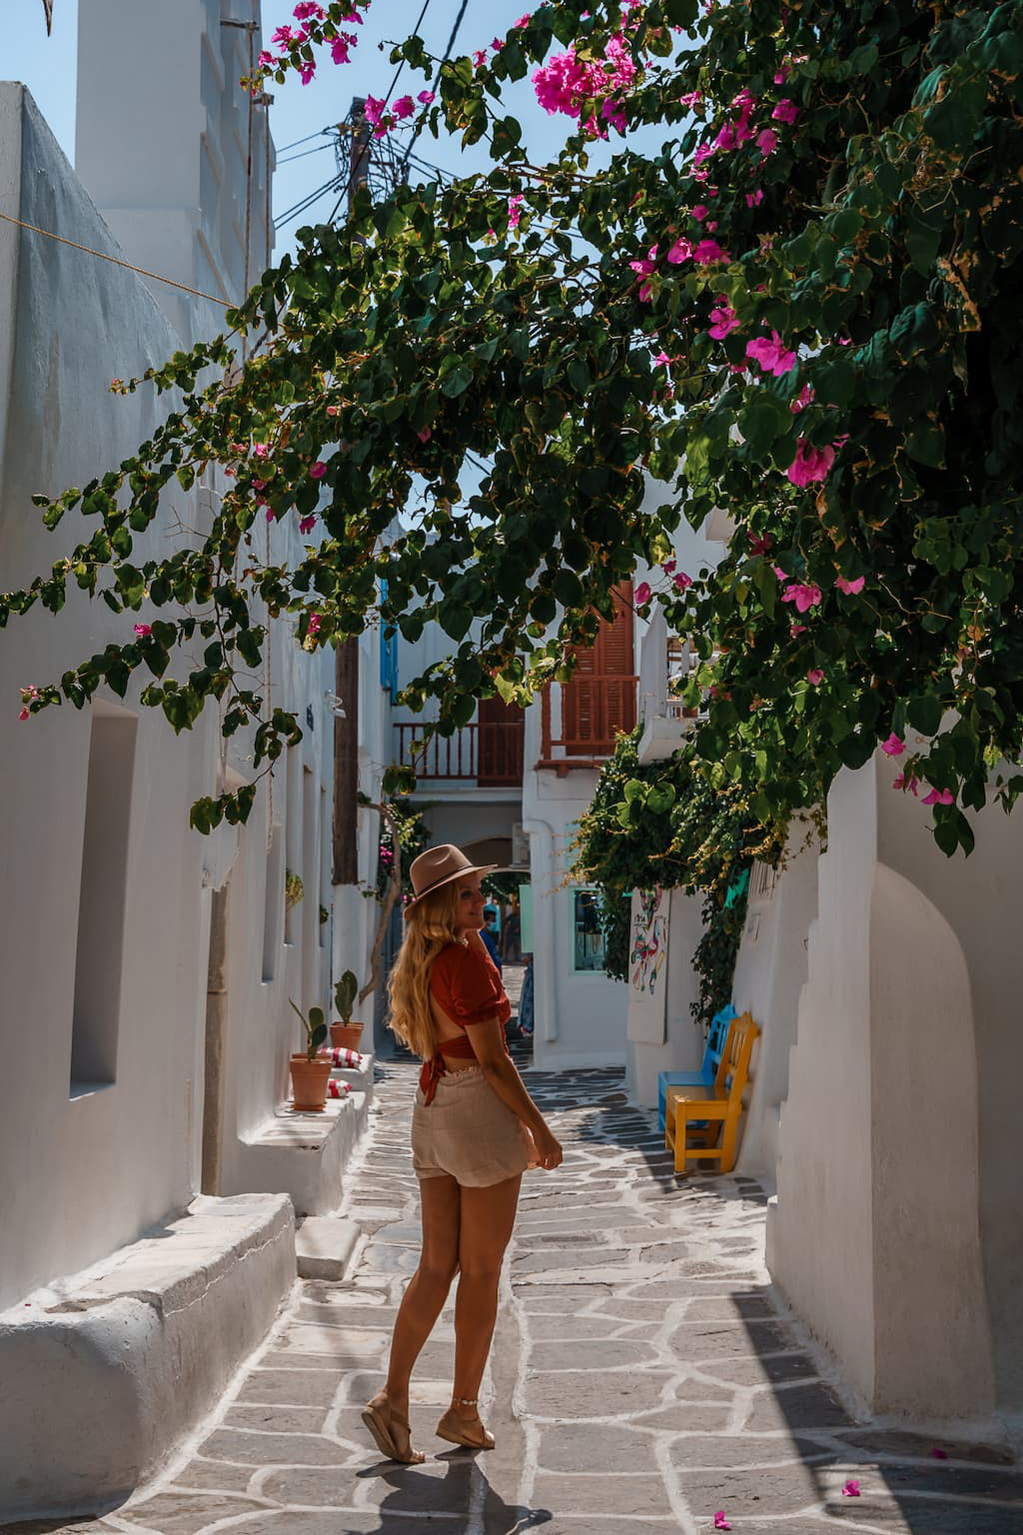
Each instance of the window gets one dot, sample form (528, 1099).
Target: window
(102, 898)
(588, 950)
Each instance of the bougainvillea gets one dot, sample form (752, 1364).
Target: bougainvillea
(802, 306)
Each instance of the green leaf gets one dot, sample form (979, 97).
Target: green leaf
(925, 713)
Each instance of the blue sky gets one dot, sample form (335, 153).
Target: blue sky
(47, 67)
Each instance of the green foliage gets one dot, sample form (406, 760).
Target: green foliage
(659, 823)
(877, 231)
(314, 1028)
(345, 993)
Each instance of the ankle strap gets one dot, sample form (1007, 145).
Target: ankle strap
(464, 1401)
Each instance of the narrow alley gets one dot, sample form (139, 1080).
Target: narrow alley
(643, 1378)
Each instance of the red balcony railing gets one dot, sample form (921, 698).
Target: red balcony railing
(487, 754)
(594, 711)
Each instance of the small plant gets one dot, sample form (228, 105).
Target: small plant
(344, 995)
(324, 915)
(294, 889)
(315, 1027)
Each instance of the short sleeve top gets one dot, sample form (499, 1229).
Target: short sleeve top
(466, 983)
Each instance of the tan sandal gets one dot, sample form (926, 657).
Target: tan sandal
(381, 1420)
(453, 1428)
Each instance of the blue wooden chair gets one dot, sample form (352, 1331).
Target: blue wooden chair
(717, 1042)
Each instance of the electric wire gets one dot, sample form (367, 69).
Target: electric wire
(447, 55)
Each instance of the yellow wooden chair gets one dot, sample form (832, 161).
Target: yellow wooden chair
(697, 1114)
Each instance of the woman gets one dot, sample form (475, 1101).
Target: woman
(475, 1130)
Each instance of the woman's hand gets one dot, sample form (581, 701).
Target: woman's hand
(548, 1149)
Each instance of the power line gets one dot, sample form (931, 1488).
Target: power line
(447, 54)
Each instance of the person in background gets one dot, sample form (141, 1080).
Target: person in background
(488, 933)
(512, 937)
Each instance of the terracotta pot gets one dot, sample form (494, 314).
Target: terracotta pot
(346, 1036)
(309, 1083)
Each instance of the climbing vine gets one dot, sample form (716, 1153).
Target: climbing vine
(803, 306)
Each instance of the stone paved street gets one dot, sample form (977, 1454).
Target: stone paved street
(643, 1376)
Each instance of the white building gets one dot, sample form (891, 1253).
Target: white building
(147, 970)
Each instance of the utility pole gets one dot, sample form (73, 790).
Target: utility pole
(346, 663)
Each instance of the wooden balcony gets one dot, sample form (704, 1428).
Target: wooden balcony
(487, 753)
(580, 727)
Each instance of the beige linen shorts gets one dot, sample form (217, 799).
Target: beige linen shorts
(467, 1133)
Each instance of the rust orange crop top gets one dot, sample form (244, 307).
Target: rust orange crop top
(466, 984)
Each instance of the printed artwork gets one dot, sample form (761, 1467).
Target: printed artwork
(648, 966)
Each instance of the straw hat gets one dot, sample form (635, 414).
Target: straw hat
(439, 866)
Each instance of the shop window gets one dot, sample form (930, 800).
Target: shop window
(588, 953)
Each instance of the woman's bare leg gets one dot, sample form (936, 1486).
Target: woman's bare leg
(428, 1288)
(487, 1218)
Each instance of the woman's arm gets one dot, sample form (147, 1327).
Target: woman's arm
(487, 1041)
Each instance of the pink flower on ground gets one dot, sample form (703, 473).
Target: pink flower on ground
(901, 782)
(771, 354)
(850, 588)
(815, 676)
(403, 107)
(938, 797)
(681, 581)
(893, 747)
(720, 1522)
(785, 112)
(767, 142)
(725, 320)
(810, 463)
(306, 524)
(143, 631)
(317, 470)
(851, 1490)
(642, 594)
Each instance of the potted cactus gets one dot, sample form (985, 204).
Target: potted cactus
(346, 1034)
(310, 1072)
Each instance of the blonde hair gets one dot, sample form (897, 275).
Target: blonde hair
(429, 927)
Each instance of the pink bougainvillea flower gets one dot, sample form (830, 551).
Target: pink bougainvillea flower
(333, 410)
(281, 37)
(514, 213)
(314, 623)
(802, 400)
(306, 524)
(306, 8)
(679, 252)
(815, 676)
(374, 110)
(668, 566)
(269, 513)
(782, 576)
(306, 70)
(720, 1522)
(767, 141)
(810, 463)
(260, 450)
(426, 98)
(938, 797)
(725, 320)
(796, 629)
(851, 1490)
(479, 58)
(785, 112)
(804, 595)
(759, 543)
(754, 199)
(699, 213)
(496, 43)
(912, 784)
(894, 746)
(339, 50)
(403, 107)
(523, 21)
(662, 360)
(642, 594)
(681, 581)
(317, 470)
(850, 588)
(265, 61)
(23, 714)
(425, 434)
(772, 354)
(259, 484)
(143, 630)
(709, 251)
(690, 99)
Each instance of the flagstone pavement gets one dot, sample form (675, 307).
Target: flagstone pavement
(644, 1376)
